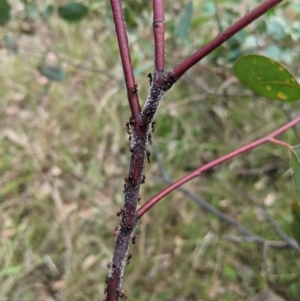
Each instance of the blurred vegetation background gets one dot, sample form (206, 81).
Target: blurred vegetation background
(64, 154)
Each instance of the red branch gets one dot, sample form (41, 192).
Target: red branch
(125, 57)
(180, 69)
(269, 138)
(159, 33)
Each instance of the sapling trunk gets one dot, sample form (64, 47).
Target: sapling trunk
(140, 124)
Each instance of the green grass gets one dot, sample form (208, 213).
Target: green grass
(64, 154)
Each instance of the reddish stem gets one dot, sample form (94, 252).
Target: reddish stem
(180, 69)
(125, 57)
(284, 144)
(159, 33)
(150, 203)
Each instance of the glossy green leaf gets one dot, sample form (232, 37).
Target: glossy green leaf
(54, 73)
(185, 22)
(295, 225)
(295, 164)
(72, 11)
(4, 12)
(267, 78)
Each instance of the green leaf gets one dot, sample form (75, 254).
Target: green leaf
(295, 225)
(185, 22)
(47, 12)
(32, 11)
(130, 18)
(276, 28)
(72, 11)
(11, 271)
(4, 12)
(267, 78)
(10, 44)
(54, 73)
(295, 164)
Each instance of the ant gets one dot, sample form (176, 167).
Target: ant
(143, 179)
(134, 89)
(128, 128)
(131, 180)
(153, 126)
(116, 231)
(149, 138)
(150, 78)
(139, 197)
(133, 239)
(121, 212)
(128, 258)
(148, 156)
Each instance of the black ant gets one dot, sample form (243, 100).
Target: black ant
(125, 186)
(128, 259)
(133, 239)
(134, 89)
(143, 179)
(153, 126)
(131, 180)
(149, 138)
(148, 156)
(150, 78)
(122, 211)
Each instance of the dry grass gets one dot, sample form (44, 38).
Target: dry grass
(64, 154)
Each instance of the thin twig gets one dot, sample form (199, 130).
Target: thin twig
(180, 69)
(125, 57)
(150, 203)
(282, 143)
(159, 33)
(290, 241)
(270, 243)
(249, 235)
